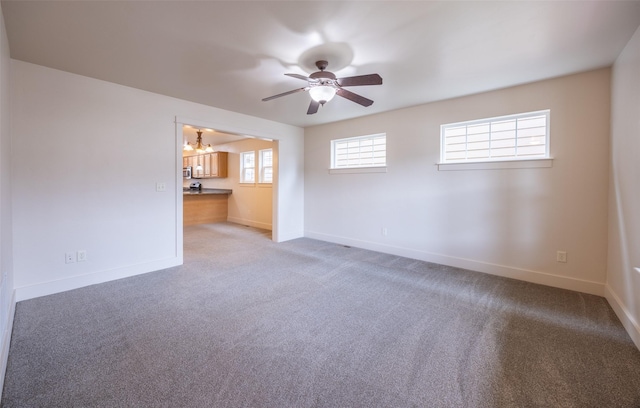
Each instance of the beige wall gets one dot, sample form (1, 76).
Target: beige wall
(508, 222)
(623, 274)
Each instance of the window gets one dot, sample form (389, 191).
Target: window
(266, 166)
(248, 167)
(514, 137)
(362, 151)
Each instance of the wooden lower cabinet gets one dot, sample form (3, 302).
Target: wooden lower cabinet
(204, 208)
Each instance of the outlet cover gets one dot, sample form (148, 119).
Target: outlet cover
(561, 256)
(70, 257)
(82, 255)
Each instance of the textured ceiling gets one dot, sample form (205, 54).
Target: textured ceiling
(232, 54)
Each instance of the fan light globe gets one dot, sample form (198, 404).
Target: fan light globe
(322, 93)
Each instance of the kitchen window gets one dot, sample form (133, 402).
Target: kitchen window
(248, 167)
(266, 166)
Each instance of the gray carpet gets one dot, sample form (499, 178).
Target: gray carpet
(246, 322)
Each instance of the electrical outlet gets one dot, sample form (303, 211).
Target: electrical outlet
(561, 256)
(161, 187)
(70, 257)
(82, 255)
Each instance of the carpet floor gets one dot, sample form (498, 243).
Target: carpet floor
(246, 322)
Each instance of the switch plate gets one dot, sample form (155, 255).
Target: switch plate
(561, 256)
(161, 187)
(70, 257)
(82, 255)
(384, 231)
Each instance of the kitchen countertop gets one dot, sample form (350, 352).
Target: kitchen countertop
(204, 191)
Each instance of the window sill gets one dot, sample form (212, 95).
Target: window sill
(354, 170)
(494, 165)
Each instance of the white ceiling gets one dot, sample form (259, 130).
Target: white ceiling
(209, 136)
(232, 54)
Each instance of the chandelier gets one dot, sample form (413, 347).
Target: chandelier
(199, 148)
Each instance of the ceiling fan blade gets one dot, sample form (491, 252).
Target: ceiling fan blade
(313, 107)
(284, 94)
(354, 97)
(371, 79)
(304, 78)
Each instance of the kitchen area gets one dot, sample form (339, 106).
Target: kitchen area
(227, 178)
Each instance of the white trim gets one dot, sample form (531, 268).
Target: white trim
(542, 278)
(178, 195)
(250, 223)
(625, 316)
(355, 170)
(75, 282)
(6, 338)
(498, 164)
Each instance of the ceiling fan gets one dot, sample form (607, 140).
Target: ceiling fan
(323, 86)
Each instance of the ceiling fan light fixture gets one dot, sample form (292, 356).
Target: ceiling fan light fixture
(323, 86)
(322, 93)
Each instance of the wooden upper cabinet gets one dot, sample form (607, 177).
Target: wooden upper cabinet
(206, 165)
(219, 164)
(213, 165)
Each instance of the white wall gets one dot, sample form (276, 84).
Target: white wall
(249, 204)
(87, 155)
(7, 302)
(508, 222)
(623, 274)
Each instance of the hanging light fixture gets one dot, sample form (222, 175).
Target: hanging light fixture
(199, 147)
(322, 93)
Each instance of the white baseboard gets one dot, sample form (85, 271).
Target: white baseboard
(250, 223)
(625, 316)
(542, 278)
(6, 338)
(75, 282)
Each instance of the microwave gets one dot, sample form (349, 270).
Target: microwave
(186, 172)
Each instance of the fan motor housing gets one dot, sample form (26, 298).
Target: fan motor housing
(322, 75)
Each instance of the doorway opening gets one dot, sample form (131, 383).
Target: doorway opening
(227, 176)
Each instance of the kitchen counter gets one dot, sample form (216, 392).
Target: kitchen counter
(204, 191)
(204, 206)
